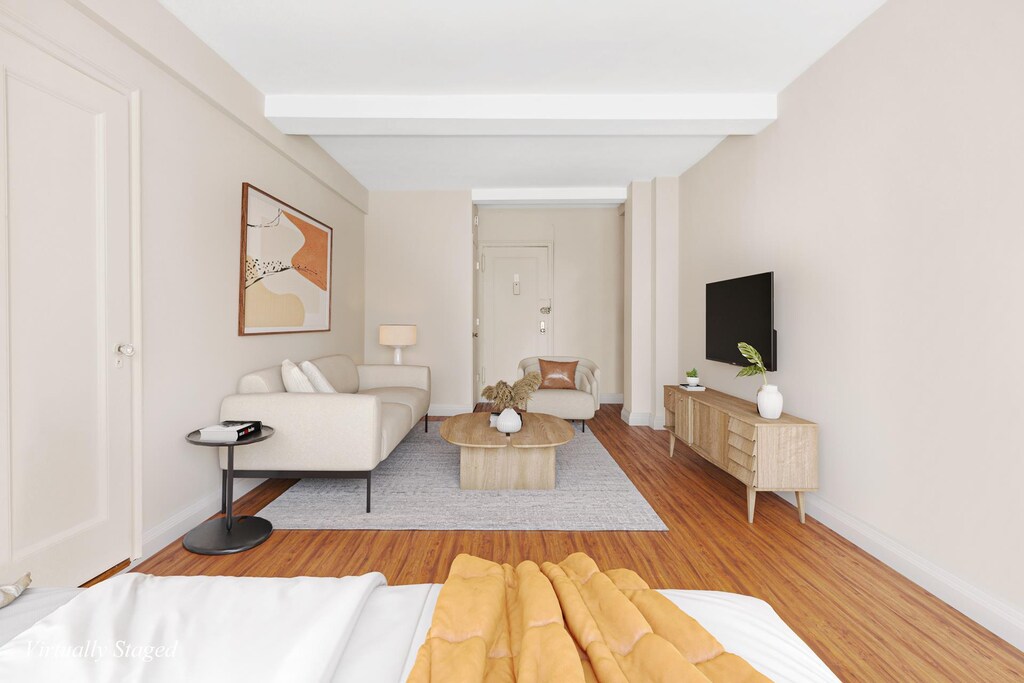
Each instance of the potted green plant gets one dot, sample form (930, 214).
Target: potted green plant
(769, 399)
(692, 378)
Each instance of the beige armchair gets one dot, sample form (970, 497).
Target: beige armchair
(568, 404)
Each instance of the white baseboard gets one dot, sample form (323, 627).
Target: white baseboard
(634, 419)
(658, 421)
(447, 409)
(175, 527)
(1004, 620)
(611, 398)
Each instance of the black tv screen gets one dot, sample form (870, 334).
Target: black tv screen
(741, 310)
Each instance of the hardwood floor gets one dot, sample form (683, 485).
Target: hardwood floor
(113, 571)
(867, 622)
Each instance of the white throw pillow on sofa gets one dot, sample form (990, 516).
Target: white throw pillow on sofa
(295, 380)
(316, 378)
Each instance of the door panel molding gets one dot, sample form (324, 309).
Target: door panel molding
(17, 27)
(32, 38)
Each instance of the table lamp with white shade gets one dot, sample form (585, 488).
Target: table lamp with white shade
(398, 336)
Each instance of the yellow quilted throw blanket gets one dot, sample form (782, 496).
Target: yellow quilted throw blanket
(565, 623)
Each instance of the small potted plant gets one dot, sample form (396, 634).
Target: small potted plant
(692, 378)
(509, 399)
(769, 399)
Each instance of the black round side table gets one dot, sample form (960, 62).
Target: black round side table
(229, 534)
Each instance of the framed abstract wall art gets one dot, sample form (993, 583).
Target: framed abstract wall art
(285, 283)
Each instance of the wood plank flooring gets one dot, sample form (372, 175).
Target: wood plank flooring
(863, 619)
(113, 571)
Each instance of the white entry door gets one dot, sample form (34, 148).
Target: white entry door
(65, 306)
(516, 313)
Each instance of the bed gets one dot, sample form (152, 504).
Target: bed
(344, 629)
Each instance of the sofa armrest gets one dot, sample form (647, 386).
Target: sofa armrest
(381, 376)
(338, 432)
(591, 383)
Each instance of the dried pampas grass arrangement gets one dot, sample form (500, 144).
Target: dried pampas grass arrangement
(504, 395)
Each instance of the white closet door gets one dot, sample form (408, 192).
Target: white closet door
(65, 306)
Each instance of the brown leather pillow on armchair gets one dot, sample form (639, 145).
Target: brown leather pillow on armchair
(556, 375)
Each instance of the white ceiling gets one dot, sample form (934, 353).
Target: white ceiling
(456, 163)
(450, 48)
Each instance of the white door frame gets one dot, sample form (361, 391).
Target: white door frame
(479, 285)
(12, 25)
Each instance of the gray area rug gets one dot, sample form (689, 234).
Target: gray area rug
(417, 487)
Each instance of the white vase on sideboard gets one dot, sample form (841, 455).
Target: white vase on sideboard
(769, 402)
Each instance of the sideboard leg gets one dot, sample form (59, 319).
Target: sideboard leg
(751, 501)
(800, 506)
(671, 443)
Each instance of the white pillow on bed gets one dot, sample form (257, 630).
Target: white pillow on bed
(317, 378)
(10, 593)
(295, 381)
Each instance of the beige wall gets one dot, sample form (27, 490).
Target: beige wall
(195, 156)
(638, 313)
(587, 296)
(419, 254)
(887, 199)
(664, 292)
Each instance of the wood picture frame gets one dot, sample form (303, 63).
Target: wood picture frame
(285, 268)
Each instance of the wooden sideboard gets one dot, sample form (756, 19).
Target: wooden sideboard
(766, 455)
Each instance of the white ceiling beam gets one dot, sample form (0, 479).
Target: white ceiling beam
(428, 115)
(549, 196)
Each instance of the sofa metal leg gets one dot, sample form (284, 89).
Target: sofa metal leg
(583, 425)
(368, 491)
(223, 491)
(426, 422)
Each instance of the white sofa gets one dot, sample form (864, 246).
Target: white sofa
(346, 434)
(569, 404)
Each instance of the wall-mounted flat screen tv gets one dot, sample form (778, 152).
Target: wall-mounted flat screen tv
(741, 310)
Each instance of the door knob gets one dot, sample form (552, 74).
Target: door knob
(126, 350)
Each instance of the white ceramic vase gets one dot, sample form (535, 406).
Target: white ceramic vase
(509, 421)
(693, 381)
(769, 402)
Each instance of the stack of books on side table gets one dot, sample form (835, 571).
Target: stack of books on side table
(695, 387)
(230, 430)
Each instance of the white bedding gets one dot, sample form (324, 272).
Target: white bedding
(372, 631)
(137, 627)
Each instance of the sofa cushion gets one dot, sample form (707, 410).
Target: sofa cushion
(418, 400)
(267, 381)
(341, 372)
(395, 423)
(568, 404)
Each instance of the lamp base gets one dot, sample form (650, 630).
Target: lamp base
(398, 355)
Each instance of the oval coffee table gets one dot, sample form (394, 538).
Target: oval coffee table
(493, 460)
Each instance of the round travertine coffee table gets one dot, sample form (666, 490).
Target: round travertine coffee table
(493, 460)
